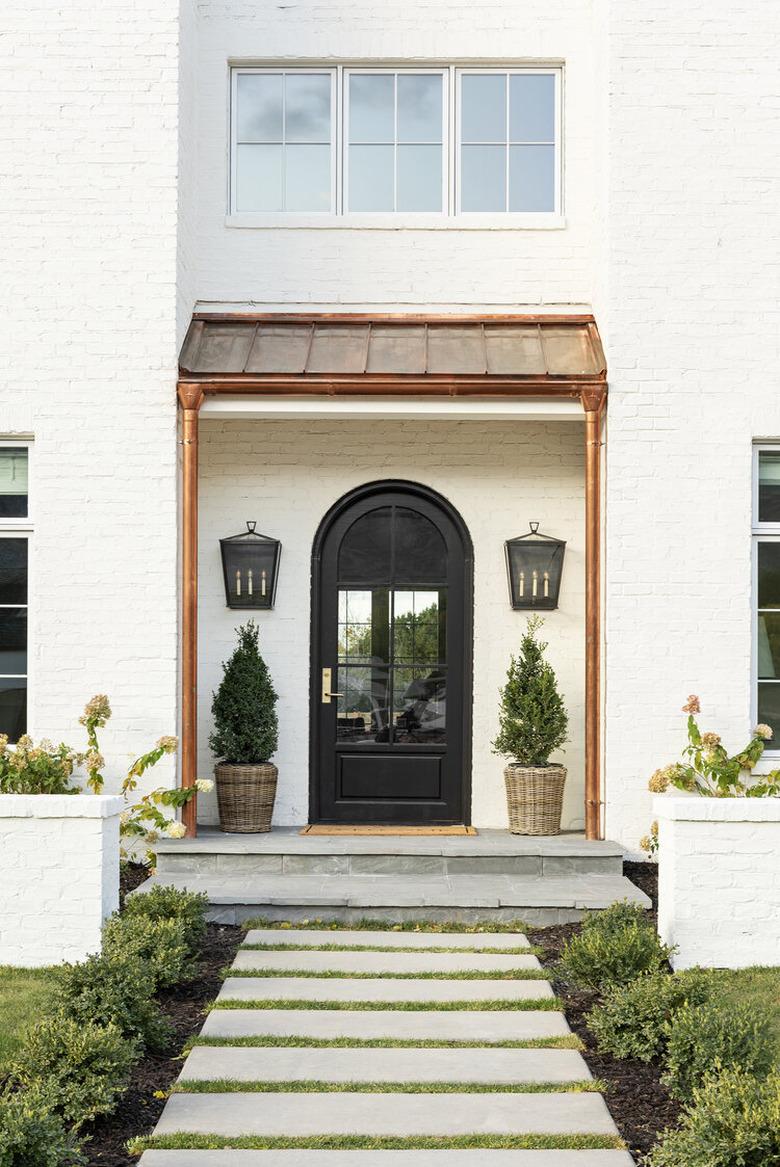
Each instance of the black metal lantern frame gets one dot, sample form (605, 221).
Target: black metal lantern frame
(534, 566)
(250, 564)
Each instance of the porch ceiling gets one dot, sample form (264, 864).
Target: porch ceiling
(496, 355)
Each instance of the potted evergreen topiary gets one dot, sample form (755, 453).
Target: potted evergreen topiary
(532, 724)
(246, 734)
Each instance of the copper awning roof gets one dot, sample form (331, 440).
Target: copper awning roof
(361, 354)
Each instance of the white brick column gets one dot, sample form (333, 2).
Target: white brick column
(59, 875)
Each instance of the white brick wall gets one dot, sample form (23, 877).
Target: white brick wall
(59, 875)
(88, 217)
(498, 475)
(719, 886)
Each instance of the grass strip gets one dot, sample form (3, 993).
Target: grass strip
(547, 1004)
(570, 1041)
(194, 1142)
(371, 925)
(315, 1086)
(496, 974)
(525, 950)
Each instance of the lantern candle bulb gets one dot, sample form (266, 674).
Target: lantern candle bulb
(238, 583)
(262, 582)
(522, 583)
(534, 584)
(546, 584)
(249, 582)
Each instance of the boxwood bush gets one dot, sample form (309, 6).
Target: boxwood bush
(614, 947)
(103, 991)
(630, 1020)
(734, 1121)
(82, 1069)
(702, 1040)
(161, 945)
(168, 903)
(31, 1135)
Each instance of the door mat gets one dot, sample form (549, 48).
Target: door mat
(342, 829)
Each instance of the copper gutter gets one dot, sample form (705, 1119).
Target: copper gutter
(593, 402)
(190, 400)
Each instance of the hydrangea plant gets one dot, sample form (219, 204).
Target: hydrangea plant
(708, 769)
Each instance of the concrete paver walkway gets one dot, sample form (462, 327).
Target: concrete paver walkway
(233, 1090)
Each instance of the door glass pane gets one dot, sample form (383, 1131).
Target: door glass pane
(307, 183)
(364, 555)
(483, 178)
(769, 575)
(259, 182)
(769, 706)
(13, 482)
(532, 107)
(419, 627)
(13, 571)
(420, 550)
(364, 626)
(259, 114)
(362, 712)
(419, 107)
(768, 647)
(371, 180)
(483, 107)
(13, 640)
(13, 707)
(307, 107)
(419, 178)
(531, 178)
(419, 705)
(769, 487)
(371, 107)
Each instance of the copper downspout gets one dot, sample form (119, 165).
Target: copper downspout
(593, 402)
(190, 400)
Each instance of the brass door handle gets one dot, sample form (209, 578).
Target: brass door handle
(327, 692)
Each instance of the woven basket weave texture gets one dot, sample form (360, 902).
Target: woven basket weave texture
(534, 797)
(245, 796)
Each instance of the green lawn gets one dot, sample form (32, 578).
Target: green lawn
(24, 995)
(760, 986)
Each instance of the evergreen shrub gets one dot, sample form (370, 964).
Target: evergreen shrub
(103, 991)
(31, 1135)
(167, 904)
(703, 1040)
(629, 1022)
(159, 944)
(532, 718)
(246, 728)
(614, 947)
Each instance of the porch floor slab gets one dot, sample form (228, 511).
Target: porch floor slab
(486, 1066)
(280, 1115)
(382, 989)
(383, 963)
(387, 1024)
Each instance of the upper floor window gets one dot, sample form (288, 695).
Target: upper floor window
(442, 141)
(766, 589)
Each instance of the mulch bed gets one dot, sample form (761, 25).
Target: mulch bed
(638, 1102)
(185, 1007)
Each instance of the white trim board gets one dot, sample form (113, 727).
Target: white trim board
(237, 407)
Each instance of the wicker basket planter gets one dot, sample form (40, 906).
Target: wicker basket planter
(534, 799)
(245, 796)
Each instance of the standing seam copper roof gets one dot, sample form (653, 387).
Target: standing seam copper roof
(313, 348)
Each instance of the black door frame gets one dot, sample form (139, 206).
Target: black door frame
(414, 490)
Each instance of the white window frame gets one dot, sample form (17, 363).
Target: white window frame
(282, 71)
(445, 143)
(340, 217)
(509, 72)
(760, 533)
(22, 528)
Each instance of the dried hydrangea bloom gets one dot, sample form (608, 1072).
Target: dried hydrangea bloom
(24, 743)
(204, 785)
(659, 782)
(96, 710)
(692, 705)
(176, 831)
(709, 740)
(3, 742)
(764, 731)
(94, 760)
(168, 743)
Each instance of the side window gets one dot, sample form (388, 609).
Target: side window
(13, 590)
(766, 589)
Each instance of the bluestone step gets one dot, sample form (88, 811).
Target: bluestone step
(378, 1024)
(381, 963)
(494, 1066)
(316, 937)
(386, 1159)
(382, 989)
(309, 1115)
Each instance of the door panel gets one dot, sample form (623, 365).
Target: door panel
(392, 621)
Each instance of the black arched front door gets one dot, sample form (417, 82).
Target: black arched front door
(391, 660)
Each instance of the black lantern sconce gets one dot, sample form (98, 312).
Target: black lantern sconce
(250, 563)
(534, 565)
